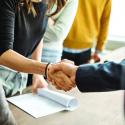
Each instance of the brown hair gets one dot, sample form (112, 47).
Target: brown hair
(50, 3)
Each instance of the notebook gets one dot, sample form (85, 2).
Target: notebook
(45, 102)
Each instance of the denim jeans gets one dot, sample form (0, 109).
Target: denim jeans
(13, 82)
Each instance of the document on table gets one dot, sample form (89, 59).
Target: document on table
(45, 102)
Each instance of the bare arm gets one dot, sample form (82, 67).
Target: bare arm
(20, 63)
(38, 81)
(36, 55)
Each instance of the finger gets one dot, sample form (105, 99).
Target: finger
(68, 89)
(57, 81)
(68, 61)
(54, 84)
(57, 87)
(63, 81)
(67, 80)
(60, 80)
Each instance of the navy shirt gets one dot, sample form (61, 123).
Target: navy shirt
(19, 30)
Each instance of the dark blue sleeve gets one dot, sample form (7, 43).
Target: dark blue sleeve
(7, 19)
(100, 77)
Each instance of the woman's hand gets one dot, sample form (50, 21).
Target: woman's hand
(38, 81)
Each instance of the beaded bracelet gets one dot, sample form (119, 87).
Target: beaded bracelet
(46, 68)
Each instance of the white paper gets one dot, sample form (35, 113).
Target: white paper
(44, 103)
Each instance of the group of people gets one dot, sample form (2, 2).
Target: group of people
(33, 29)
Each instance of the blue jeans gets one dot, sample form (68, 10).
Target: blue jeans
(13, 82)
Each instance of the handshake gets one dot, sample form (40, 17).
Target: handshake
(62, 75)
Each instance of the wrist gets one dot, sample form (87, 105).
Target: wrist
(46, 70)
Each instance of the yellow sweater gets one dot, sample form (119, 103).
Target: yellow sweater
(90, 24)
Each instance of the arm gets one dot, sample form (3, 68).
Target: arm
(8, 57)
(62, 23)
(104, 24)
(38, 81)
(20, 63)
(89, 77)
(102, 36)
(36, 55)
(100, 77)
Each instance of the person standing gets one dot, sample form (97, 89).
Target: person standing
(57, 30)
(22, 26)
(90, 26)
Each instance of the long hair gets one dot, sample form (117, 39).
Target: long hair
(50, 3)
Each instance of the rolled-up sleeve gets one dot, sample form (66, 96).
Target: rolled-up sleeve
(7, 19)
(99, 77)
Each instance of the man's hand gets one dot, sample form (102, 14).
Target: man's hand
(95, 58)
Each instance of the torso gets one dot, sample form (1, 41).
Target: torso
(29, 30)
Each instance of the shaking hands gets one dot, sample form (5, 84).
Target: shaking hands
(62, 75)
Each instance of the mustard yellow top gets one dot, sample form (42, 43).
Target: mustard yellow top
(90, 24)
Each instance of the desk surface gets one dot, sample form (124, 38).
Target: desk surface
(105, 108)
(116, 55)
(94, 109)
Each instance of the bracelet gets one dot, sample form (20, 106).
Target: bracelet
(46, 68)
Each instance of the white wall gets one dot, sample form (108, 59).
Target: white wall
(117, 21)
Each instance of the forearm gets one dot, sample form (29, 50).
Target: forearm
(99, 77)
(37, 54)
(20, 63)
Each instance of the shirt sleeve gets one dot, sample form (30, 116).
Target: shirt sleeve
(100, 77)
(63, 22)
(7, 19)
(104, 25)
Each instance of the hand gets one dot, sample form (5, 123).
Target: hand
(62, 81)
(62, 75)
(68, 61)
(38, 82)
(95, 58)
